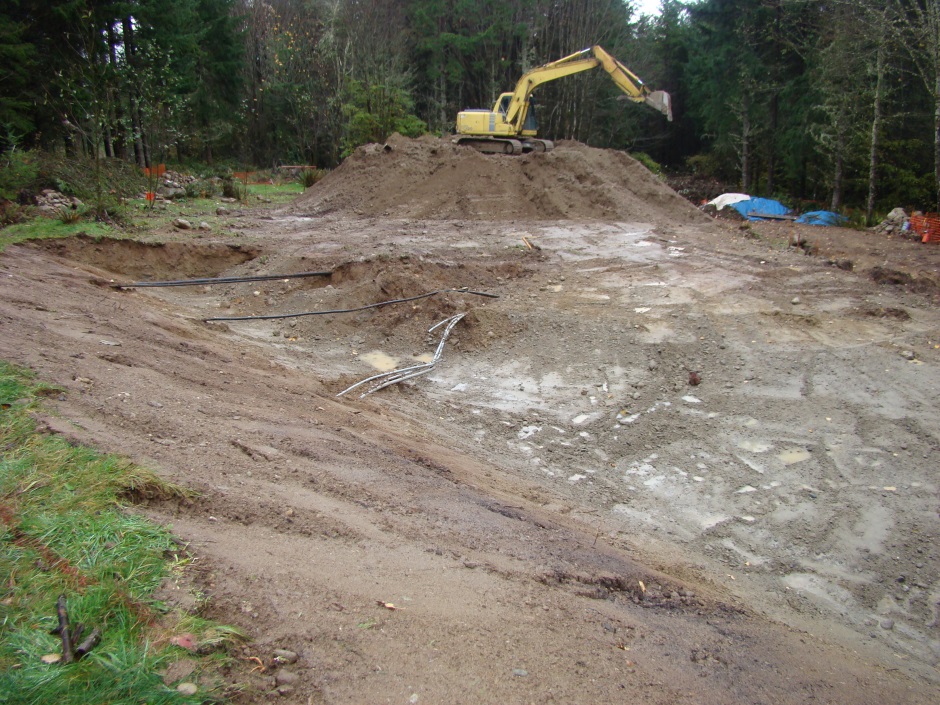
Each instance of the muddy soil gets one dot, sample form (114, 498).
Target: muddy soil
(673, 462)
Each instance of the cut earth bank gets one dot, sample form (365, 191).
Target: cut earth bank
(553, 513)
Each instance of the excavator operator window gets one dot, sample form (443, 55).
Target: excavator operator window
(531, 123)
(504, 104)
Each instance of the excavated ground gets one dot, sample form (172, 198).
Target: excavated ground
(554, 513)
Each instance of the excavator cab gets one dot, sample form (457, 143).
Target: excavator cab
(531, 124)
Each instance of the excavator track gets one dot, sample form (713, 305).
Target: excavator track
(504, 145)
(491, 145)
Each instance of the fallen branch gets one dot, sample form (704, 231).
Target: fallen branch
(72, 634)
(67, 655)
(396, 376)
(91, 642)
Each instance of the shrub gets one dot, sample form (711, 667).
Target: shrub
(201, 188)
(75, 176)
(73, 214)
(647, 161)
(18, 170)
(234, 189)
(12, 213)
(308, 177)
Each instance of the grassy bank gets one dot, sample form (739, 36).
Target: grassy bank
(65, 531)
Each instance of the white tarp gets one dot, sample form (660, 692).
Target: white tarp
(727, 199)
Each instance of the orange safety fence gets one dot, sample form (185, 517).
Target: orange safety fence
(927, 226)
(158, 170)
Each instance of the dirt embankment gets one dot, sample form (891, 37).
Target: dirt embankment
(556, 513)
(433, 178)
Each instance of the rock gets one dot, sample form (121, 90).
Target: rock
(284, 656)
(204, 226)
(897, 216)
(172, 193)
(182, 224)
(187, 688)
(795, 300)
(51, 202)
(894, 221)
(178, 670)
(221, 211)
(653, 364)
(521, 672)
(285, 689)
(887, 624)
(908, 354)
(286, 678)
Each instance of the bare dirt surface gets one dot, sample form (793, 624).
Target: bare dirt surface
(673, 462)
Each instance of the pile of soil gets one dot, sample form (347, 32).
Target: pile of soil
(433, 178)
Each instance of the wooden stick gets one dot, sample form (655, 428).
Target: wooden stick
(89, 643)
(67, 655)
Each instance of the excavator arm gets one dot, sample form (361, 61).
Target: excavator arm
(584, 60)
(505, 129)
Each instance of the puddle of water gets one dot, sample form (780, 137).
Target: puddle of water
(790, 457)
(755, 446)
(379, 360)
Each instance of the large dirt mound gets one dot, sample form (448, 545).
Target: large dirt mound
(432, 178)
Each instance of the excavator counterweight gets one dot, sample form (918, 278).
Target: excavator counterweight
(510, 128)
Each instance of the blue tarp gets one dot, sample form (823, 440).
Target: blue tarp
(822, 218)
(765, 206)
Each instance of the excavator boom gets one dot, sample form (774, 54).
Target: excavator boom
(584, 60)
(509, 128)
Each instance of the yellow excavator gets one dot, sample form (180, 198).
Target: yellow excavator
(510, 127)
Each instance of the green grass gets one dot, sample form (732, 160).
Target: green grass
(139, 220)
(277, 193)
(64, 530)
(42, 228)
(143, 218)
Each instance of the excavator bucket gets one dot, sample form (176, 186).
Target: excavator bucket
(662, 101)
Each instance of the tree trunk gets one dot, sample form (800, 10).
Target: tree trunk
(114, 145)
(746, 143)
(140, 155)
(837, 180)
(936, 139)
(877, 118)
(772, 143)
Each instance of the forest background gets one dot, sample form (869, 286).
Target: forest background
(831, 102)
